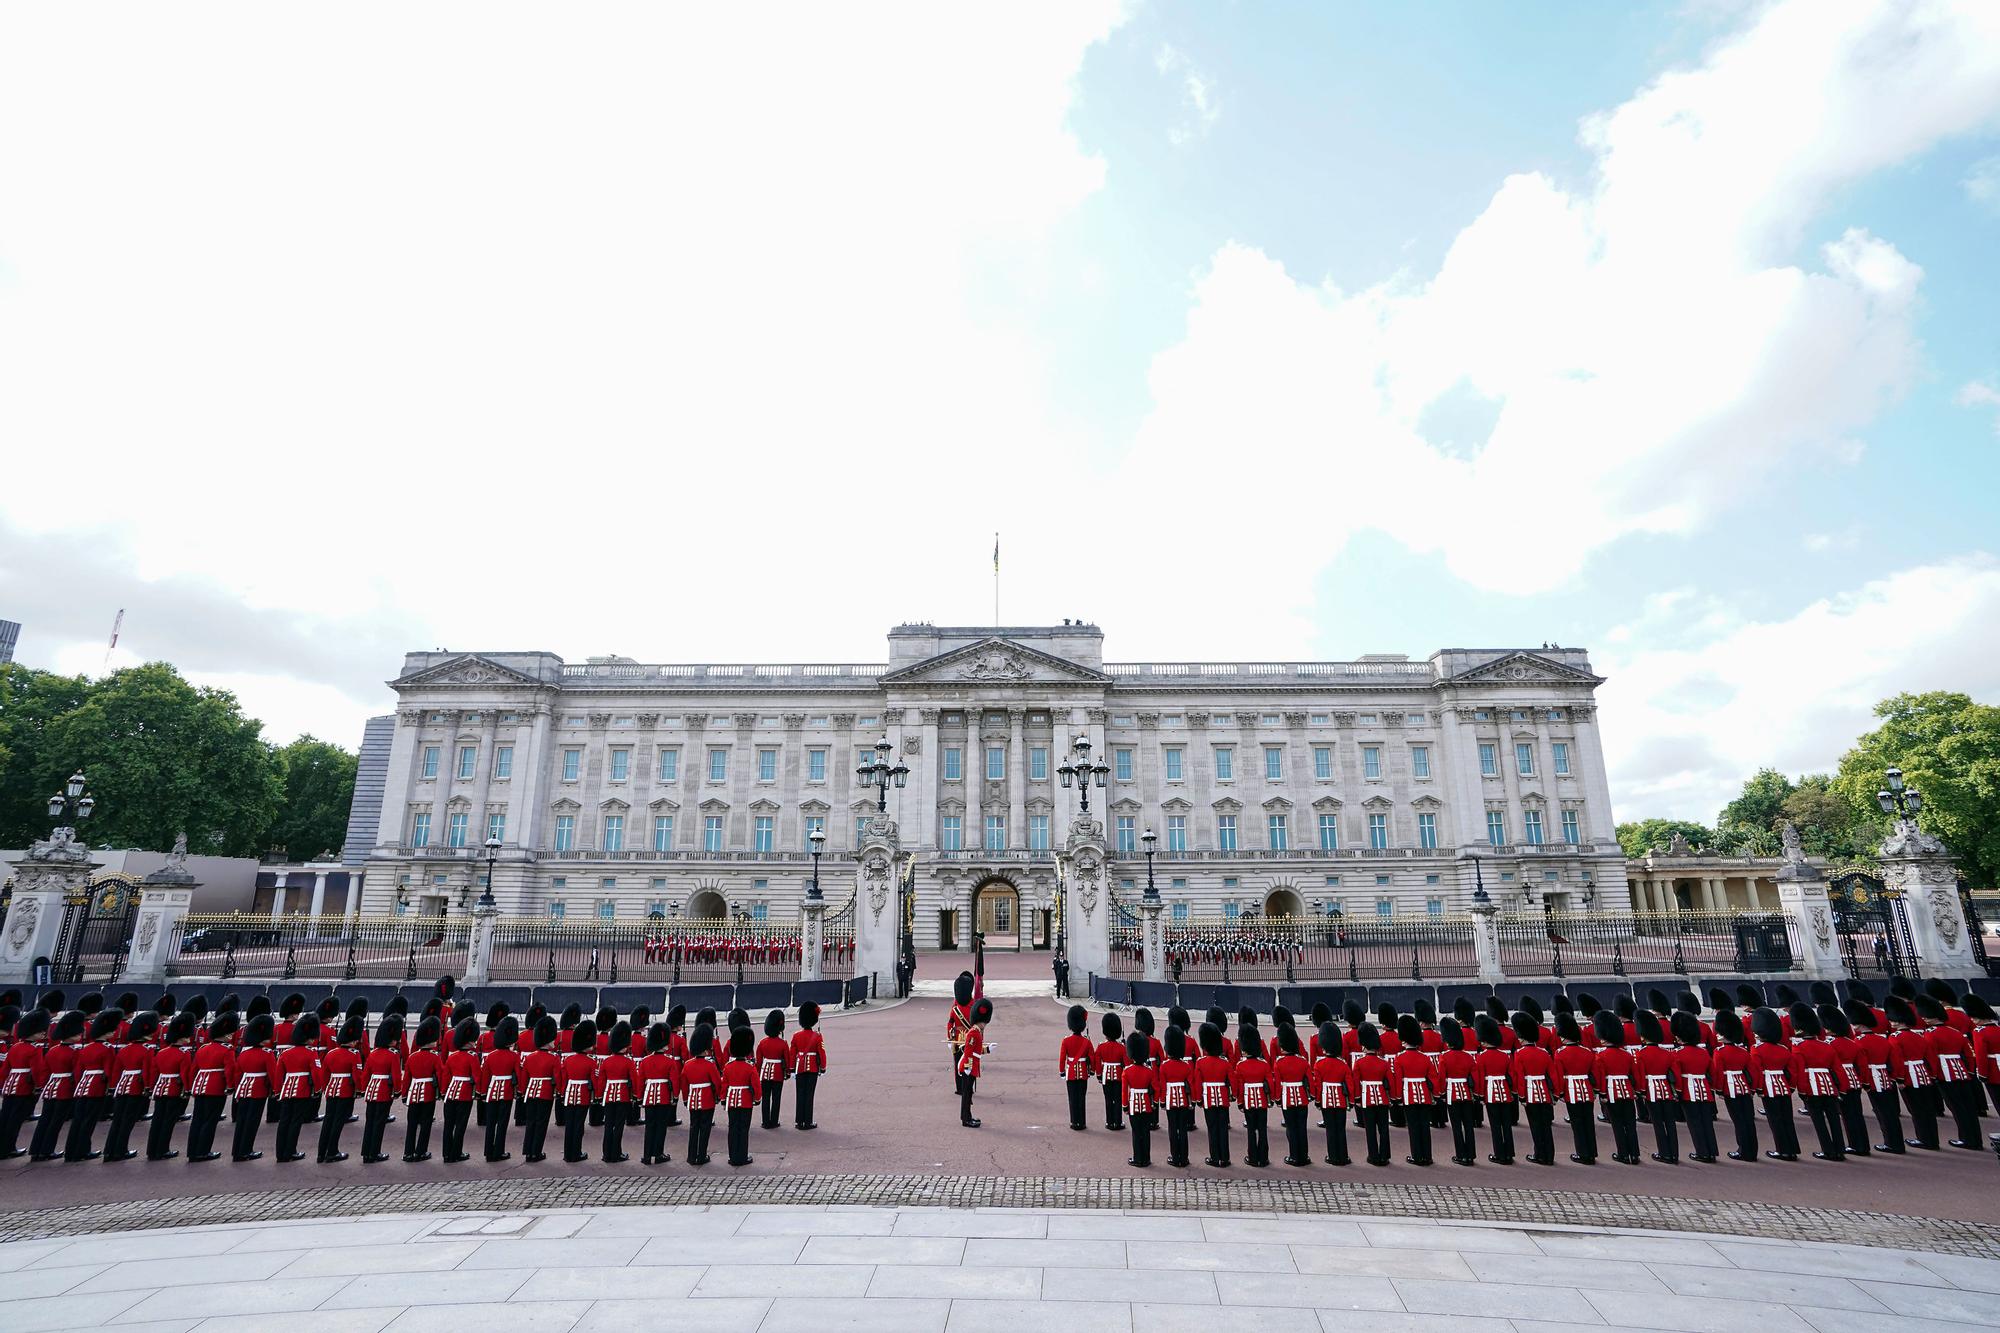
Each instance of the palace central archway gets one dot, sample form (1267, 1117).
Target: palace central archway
(1283, 903)
(996, 913)
(707, 905)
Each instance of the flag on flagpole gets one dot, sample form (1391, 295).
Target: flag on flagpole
(996, 553)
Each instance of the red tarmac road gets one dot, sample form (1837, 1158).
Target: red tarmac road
(886, 1105)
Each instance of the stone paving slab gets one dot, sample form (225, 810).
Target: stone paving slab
(785, 1270)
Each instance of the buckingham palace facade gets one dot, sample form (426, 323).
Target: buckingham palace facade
(625, 791)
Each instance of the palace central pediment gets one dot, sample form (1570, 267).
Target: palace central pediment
(995, 661)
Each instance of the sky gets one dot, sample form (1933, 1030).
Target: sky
(1288, 330)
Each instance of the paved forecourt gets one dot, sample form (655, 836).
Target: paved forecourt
(940, 1271)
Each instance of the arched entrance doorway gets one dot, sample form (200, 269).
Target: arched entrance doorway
(996, 913)
(1283, 903)
(707, 905)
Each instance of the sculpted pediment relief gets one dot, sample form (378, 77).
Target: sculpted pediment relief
(994, 661)
(664, 806)
(1525, 669)
(471, 669)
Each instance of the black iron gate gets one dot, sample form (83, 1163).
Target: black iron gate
(1874, 932)
(96, 932)
(1976, 929)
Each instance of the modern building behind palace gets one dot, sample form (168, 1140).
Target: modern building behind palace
(621, 791)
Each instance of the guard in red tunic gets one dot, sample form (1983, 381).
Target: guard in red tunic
(1076, 1061)
(1137, 1091)
(576, 1085)
(1174, 1088)
(1493, 1085)
(93, 1084)
(1250, 1084)
(741, 1091)
(1576, 1088)
(1951, 1062)
(957, 1021)
(972, 1059)
(21, 1078)
(1328, 1086)
(540, 1069)
(617, 1091)
(1815, 1072)
(171, 1067)
(1874, 1060)
(1732, 1076)
(1839, 1034)
(461, 1088)
(1110, 1063)
(301, 1077)
(1985, 1046)
(1211, 1089)
(655, 1076)
(1771, 1072)
(701, 1092)
(341, 1068)
(1615, 1078)
(499, 1084)
(59, 1055)
(255, 1082)
(1416, 1086)
(808, 1060)
(1914, 1070)
(423, 1080)
(1291, 1084)
(131, 1083)
(1369, 1076)
(1531, 1072)
(1692, 1066)
(1459, 1070)
(381, 1084)
(1655, 1073)
(677, 1051)
(774, 1060)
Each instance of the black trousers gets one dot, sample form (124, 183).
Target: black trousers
(616, 1117)
(739, 1131)
(673, 1110)
(126, 1111)
(13, 1114)
(1743, 1119)
(1701, 1128)
(802, 1100)
(83, 1118)
(457, 1115)
(1257, 1136)
(1889, 1116)
(773, 1099)
(1142, 1142)
(1784, 1131)
(1180, 1126)
(1827, 1128)
(249, 1118)
(657, 1125)
(498, 1116)
(1921, 1103)
(1297, 1148)
(160, 1134)
(1854, 1123)
(1217, 1120)
(374, 1124)
(332, 1124)
(293, 1113)
(1417, 1119)
(1460, 1116)
(1541, 1131)
(1114, 1107)
(699, 1125)
(1375, 1127)
(966, 1088)
(575, 1120)
(534, 1125)
(1501, 1117)
(1624, 1119)
(417, 1134)
(1965, 1104)
(48, 1130)
(1666, 1130)
(1583, 1130)
(1334, 1123)
(1078, 1089)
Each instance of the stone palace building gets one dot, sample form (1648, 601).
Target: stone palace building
(622, 791)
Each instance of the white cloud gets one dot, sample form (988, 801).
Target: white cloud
(1654, 352)
(1979, 393)
(1691, 710)
(1982, 184)
(1198, 98)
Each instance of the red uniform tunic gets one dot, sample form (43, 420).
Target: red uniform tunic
(341, 1066)
(382, 1077)
(1847, 1054)
(617, 1078)
(539, 1071)
(1986, 1051)
(461, 1076)
(299, 1073)
(774, 1060)
(1076, 1058)
(1173, 1082)
(1732, 1072)
(1368, 1080)
(59, 1080)
(1212, 1075)
(256, 1074)
(1532, 1072)
(1951, 1053)
(742, 1088)
(1136, 1086)
(24, 1071)
(1291, 1078)
(1329, 1082)
(655, 1077)
(1913, 1066)
(579, 1078)
(1657, 1074)
(701, 1083)
(1493, 1074)
(169, 1072)
(1612, 1071)
(1693, 1071)
(132, 1070)
(808, 1052)
(423, 1076)
(1576, 1075)
(1414, 1080)
(93, 1069)
(1110, 1060)
(498, 1075)
(1771, 1069)
(1813, 1070)
(1250, 1083)
(1876, 1057)
(1458, 1071)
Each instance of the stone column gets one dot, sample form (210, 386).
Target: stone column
(877, 924)
(1086, 899)
(973, 834)
(44, 880)
(929, 768)
(1486, 941)
(164, 899)
(479, 945)
(1154, 946)
(812, 931)
(1924, 872)
(319, 892)
(1802, 897)
(355, 880)
(1017, 780)
(278, 891)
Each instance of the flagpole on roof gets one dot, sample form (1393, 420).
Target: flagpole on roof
(996, 580)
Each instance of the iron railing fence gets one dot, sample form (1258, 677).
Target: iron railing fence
(548, 949)
(326, 948)
(1419, 948)
(1647, 944)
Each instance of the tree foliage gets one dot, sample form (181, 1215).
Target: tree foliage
(1949, 749)
(163, 757)
(318, 788)
(1642, 836)
(1760, 804)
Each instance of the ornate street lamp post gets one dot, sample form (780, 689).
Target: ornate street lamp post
(1152, 895)
(880, 774)
(1895, 799)
(67, 806)
(487, 902)
(1080, 771)
(818, 840)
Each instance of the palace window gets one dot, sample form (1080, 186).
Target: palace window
(718, 764)
(1127, 834)
(711, 833)
(1038, 763)
(1323, 762)
(1561, 753)
(1121, 763)
(1385, 907)
(1371, 761)
(1180, 911)
(1378, 831)
(815, 765)
(860, 829)
(607, 909)
(1524, 759)
(468, 762)
(1572, 834)
(565, 833)
(996, 833)
(1174, 756)
(1231, 910)
(1531, 824)
(670, 766)
(1329, 832)
(1038, 833)
(614, 833)
(1278, 828)
(572, 765)
(420, 830)
(430, 768)
(663, 833)
(765, 830)
(496, 826)
(621, 765)
(951, 837)
(996, 763)
(1427, 830)
(1434, 907)
(1225, 833)
(1496, 828)
(1274, 763)
(503, 762)
(814, 824)
(1225, 763)
(953, 767)
(767, 765)
(1420, 761)
(1177, 833)
(558, 909)
(1489, 761)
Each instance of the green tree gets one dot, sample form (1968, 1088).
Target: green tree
(1949, 749)
(31, 769)
(1827, 821)
(319, 788)
(166, 757)
(1761, 803)
(1643, 835)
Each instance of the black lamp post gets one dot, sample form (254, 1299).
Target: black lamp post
(1895, 799)
(1480, 898)
(818, 840)
(486, 900)
(1152, 898)
(1080, 771)
(71, 804)
(879, 773)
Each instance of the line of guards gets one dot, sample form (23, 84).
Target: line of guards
(122, 1066)
(1926, 1055)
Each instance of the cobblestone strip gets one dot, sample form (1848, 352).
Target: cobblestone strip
(1440, 1202)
